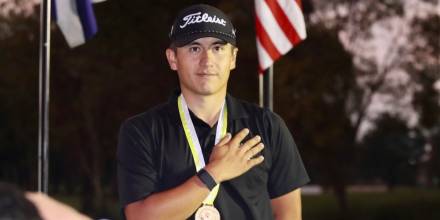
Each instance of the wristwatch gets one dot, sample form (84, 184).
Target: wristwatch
(206, 179)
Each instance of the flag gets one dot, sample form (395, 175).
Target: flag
(279, 26)
(76, 20)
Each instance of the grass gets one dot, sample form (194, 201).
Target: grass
(400, 204)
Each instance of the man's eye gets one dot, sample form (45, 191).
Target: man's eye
(194, 49)
(218, 48)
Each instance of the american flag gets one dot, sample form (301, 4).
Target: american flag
(280, 26)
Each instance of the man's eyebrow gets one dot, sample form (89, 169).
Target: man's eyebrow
(217, 42)
(193, 43)
(221, 42)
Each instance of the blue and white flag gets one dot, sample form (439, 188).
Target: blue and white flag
(76, 20)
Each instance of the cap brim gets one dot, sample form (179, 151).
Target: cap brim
(184, 40)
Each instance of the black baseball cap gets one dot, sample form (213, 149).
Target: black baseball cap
(199, 21)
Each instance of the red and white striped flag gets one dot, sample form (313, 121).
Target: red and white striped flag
(279, 26)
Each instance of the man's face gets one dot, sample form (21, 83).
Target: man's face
(203, 65)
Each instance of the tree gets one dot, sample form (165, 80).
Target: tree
(312, 87)
(391, 152)
(391, 42)
(18, 109)
(427, 103)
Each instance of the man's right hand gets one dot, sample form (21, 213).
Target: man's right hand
(230, 158)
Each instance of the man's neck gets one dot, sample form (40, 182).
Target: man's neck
(207, 108)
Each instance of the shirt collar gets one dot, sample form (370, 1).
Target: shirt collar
(235, 107)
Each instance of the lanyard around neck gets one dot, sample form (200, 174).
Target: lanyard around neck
(193, 140)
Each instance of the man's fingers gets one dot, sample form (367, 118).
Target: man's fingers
(254, 151)
(250, 143)
(224, 140)
(255, 161)
(236, 140)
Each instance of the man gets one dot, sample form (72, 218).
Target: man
(18, 205)
(205, 154)
(15, 205)
(51, 209)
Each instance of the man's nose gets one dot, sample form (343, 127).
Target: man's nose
(207, 58)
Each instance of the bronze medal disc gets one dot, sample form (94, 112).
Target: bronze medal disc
(207, 212)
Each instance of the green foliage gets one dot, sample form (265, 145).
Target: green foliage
(435, 162)
(312, 88)
(426, 100)
(391, 153)
(18, 108)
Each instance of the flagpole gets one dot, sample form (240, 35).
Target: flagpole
(260, 88)
(266, 88)
(43, 113)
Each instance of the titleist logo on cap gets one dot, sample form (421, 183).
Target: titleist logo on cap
(198, 18)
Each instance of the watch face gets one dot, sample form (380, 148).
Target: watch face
(207, 212)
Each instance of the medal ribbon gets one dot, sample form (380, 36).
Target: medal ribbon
(193, 140)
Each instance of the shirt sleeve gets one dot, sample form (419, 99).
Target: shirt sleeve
(287, 171)
(137, 176)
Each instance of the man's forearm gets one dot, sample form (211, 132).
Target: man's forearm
(176, 203)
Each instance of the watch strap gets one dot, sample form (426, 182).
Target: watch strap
(206, 179)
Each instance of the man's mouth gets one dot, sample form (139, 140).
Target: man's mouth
(206, 74)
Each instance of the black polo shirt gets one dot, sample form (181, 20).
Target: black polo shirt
(153, 156)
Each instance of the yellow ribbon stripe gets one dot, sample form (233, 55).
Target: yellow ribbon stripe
(209, 200)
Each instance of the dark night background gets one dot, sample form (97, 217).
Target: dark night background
(364, 164)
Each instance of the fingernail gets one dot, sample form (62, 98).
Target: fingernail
(258, 137)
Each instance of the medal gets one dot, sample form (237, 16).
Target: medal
(207, 212)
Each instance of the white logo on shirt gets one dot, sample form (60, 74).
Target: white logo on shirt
(198, 18)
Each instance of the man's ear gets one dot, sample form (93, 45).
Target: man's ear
(233, 58)
(172, 59)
